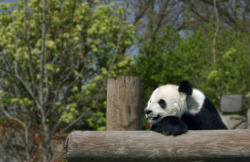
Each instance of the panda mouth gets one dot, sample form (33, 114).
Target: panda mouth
(154, 118)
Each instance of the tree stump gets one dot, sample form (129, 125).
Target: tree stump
(123, 104)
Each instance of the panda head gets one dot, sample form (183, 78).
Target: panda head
(172, 100)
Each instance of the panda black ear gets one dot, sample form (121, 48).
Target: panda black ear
(185, 87)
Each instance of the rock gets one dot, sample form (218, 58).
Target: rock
(248, 119)
(233, 121)
(243, 125)
(231, 103)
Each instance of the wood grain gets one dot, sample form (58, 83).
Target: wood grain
(212, 145)
(123, 104)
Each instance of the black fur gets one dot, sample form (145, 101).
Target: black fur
(185, 87)
(207, 119)
(162, 103)
(170, 125)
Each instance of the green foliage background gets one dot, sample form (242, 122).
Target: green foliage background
(171, 57)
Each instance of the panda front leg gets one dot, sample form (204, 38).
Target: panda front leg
(170, 125)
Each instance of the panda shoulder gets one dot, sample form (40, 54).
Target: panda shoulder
(195, 101)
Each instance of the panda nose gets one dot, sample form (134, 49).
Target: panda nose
(148, 112)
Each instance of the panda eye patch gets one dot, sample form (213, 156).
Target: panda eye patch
(162, 103)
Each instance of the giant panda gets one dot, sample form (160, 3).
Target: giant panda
(173, 110)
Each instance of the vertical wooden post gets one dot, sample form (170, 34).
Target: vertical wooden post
(123, 104)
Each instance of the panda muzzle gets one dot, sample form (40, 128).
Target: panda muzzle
(152, 118)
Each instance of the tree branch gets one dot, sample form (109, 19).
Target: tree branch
(10, 116)
(69, 125)
(215, 33)
(27, 41)
(16, 60)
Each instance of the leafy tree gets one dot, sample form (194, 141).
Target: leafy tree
(54, 59)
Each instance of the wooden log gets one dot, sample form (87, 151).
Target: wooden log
(212, 145)
(123, 104)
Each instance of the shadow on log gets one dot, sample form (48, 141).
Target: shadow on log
(212, 145)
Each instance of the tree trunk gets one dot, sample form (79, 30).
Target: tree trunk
(26, 137)
(47, 144)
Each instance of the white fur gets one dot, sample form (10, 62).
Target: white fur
(177, 103)
(195, 101)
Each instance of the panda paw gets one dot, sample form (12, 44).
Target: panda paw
(171, 125)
